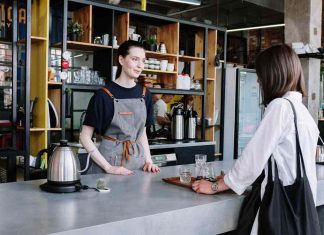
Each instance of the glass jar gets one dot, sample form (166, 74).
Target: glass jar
(197, 85)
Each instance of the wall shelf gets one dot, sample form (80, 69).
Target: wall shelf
(176, 91)
(74, 45)
(158, 71)
(34, 39)
(88, 87)
(186, 58)
(312, 55)
(159, 54)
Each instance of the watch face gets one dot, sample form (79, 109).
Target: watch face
(66, 55)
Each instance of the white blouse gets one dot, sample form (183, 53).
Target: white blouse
(276, 135)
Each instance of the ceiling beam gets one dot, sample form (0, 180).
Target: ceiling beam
(277, 5)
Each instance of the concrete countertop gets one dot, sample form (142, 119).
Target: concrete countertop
(140, 204)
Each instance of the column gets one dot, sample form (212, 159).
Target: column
(303, 20)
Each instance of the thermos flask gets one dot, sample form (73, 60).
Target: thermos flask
(177, 124)
(191, 123)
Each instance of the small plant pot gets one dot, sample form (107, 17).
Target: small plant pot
(152, 47)
(73, 37)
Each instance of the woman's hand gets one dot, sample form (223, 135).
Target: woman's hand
(150, 167)
(204, 186)
(119, 170)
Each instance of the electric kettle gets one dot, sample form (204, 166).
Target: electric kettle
(63, 173)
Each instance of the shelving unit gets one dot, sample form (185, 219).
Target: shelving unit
(199, 47)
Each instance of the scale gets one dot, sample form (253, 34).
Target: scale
(163, 159)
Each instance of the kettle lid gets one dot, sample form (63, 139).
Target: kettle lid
(63, 143)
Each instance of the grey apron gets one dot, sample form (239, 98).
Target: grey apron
(119, 144)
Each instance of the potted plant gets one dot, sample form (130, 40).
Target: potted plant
(75, 31)
(218, 55)
(151, 43)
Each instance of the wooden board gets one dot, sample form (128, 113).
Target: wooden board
(84, 17)
(212, 50)
(122, 27)
(176, 181)
(169, 34)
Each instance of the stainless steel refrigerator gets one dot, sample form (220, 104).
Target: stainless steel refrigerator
(243, 110)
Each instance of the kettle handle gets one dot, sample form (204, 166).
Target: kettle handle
(40, 154)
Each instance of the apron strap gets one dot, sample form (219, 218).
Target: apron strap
(144, 92)
(107, 91)
(126, 145)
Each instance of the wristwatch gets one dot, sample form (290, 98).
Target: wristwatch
(214, 187)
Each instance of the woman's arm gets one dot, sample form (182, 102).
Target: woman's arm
(85, 139)
(148, 166)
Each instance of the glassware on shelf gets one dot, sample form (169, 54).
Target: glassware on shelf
(197, 85)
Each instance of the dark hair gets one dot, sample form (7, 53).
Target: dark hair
(279, 71)
(123, 51)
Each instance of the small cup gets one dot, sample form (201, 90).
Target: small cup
(164, 64)
(170, 67)
(185, 174)
(181, 52)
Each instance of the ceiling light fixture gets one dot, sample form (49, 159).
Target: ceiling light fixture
(257, 27)
(191, 2)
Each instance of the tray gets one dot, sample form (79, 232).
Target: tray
(176, 181)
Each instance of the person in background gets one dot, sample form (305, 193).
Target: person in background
(120, 112)
(161, 118)
(280, 76)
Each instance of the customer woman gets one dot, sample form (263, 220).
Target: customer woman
(120, 112)
(280, 76)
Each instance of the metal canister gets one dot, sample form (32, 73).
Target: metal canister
(191, 123)
(177, 124)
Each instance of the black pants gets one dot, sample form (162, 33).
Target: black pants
(320, 212)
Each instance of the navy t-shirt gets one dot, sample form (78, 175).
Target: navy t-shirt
(100, 110)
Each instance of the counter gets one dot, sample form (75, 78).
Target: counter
(140, 204)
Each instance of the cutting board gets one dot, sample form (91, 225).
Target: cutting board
(176, 181)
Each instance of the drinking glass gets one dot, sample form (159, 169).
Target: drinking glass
(200, 164)
(185, 174)
(208, 172)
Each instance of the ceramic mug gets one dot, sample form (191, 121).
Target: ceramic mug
(135, 37)
(170, 67)
(164, 64)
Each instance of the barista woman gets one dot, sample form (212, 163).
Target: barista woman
(120, 112)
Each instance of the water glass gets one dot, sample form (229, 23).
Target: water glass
(200, 165)
(208, 171)
(200, 159)
(185, 174)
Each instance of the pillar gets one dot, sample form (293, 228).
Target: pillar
(303, 20)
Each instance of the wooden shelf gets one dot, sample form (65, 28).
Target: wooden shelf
(159, 71)
(34, 129)
(218, 154)
(159, 54)
(34, 39)
(211, 79)
(176, 91)
(51, 83)
(186, 58)
(86, 87)
(55, 129)
(74, 45)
